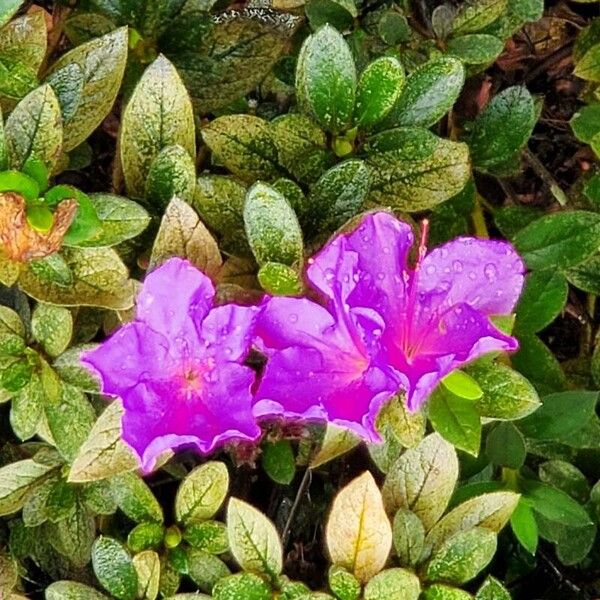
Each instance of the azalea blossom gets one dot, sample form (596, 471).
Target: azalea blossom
(386, 326)
(178, 367)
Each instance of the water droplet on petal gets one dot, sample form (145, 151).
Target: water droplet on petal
(293, 318)
(381, 275)
(490, 271)
(430, 270)
(457, 266)
(472, 276)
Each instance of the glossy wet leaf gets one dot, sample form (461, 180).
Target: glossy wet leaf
(358, 533)
(52, 326)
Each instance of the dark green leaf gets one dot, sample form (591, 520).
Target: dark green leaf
(586, 123)
(339, 13)
(505, 446)
(566, 477)
(135, 498)
(476, 49)
(474, 15)
(524, 526)
(172, 173)
(278, 461)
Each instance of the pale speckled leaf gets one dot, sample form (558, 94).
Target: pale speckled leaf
(52, 268)
(201, 493)
(474, 15)
(34, 129)
(428, 94)
(86, 81)
(9, 574)
(103, 454)
(120, 220)
(337, 441)
(114, 568)
(158, 114)
(83, 27)
(99, 279)
(172, 173)
(378, 90)
(16, 81)
(52, 327)
(302, 146)
(506, 393)
(441, 591)
(70, 370)
(182, 234)
(135, 498)
(492, 589)
(243, 144)
(147, 566)
(253, 539)
(10, 322)
(461, 557)
(8, 9)
(476, 49)
(414, 170)
(272, 227)
(423, 479)
(16, 480)
(408, 536)
(25, 39)
(206, 570)
(326, 79)
(74, 535)
(358, 533)
(9, 270)
(491, 511)
(235, 56)
(393, 583)
(72, 590)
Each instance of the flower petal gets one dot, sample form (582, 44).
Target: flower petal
(229, 331)
(464, 334)
(486, 274)
(130, 355)
(383, 244)
(171, 295)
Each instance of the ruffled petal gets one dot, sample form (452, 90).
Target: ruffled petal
(486, 274)
(229, 330)
(173, 295)
(132, 354)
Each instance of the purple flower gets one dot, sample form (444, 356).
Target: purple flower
(178, 366)
(386, 327)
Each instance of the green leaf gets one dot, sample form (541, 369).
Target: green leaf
(339, 13)
(338, 195)
(83, 27)
(461, 557)
(476, 49)
(462, 385)
(586, 123)
(554, 505)
(588, 67)
(120, 219)
(336, 441)
(103, 454)
(326, 79)
(409, 536)
(181, 233)
(422, 480)
(559, 240)
(503, 127)
(145, 536)
(560, 415)
(474, 15)
(566, 477)
(243, 144)
(204, 569)
(15, 375)
(34, 130)
(456, 419)
(86, 82)
(99, 279)
(542, 300)
(158, 114)
(8, 9)
(25, 39)
(492, 589)
(69, 368)
(114, 568)
(272, 227)
(278, 461)
(210, 536)
(585, 276)
(147, 566)
(506, 393)
(172, 173)
(343, 584)
(505, 446)
(17, 479)
(379, 88)
(241, 585)
(440, 591)
(52, 327)
(72, 590)
(253, 539)
(201, 493)
(10, 322)
(524, 526)
(393, 583)
(414, 170)
(15, 181)
(301, 146)
(234, 57)
(280, 280)
(429, 93)
(490, 511)
(16, 81)
(26, 409)
(135, 498)
(53, 269)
